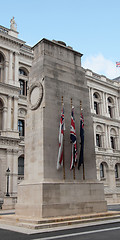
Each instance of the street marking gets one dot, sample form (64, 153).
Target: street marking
(78, 234)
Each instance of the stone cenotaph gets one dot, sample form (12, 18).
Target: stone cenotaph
(56, 72)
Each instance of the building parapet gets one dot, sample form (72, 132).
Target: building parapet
(4, 30)
(102, 78)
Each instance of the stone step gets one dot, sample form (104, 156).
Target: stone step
(57, 222)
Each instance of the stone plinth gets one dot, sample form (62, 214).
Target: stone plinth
(43, 200)
(9, 203)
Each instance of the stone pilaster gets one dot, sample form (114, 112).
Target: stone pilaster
(10, 67)
(9, 112)
(15, 112)
(4, 118)
(6, 71)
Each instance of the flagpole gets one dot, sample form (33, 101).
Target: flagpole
(71, 148)
(83, 159)
(63, 150)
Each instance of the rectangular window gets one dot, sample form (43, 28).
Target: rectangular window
(112, 142)
(98, 140)
(23, 87)
(110, 111)
(21, 166)
(21, 127)
(96, 107)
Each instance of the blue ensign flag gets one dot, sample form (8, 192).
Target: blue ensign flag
(81, 157)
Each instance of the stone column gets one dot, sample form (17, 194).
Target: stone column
(15, 116)
(106, 136)
(92, 101)
(2, 74)
(94, 128)
(109, 142)
(106, 104)
(9, 112)
(6, 72)
(16, 69)
(117, 109)
(119, 139)
(104, 110)
(10, 67)
(15, 172)
(10, 166)
(4, 118)
(90, 98)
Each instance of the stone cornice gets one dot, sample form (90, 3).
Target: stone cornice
(7, 141)
(11, 39)
(8, 89)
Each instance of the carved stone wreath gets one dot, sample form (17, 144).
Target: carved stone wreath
(35, 95)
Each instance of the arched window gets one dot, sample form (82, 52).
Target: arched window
(99, 137)
(1, 68)
(1, 114)
(113, 139)
(96, 97)
(23, 79)
(110, 107)
(101, 170)
(21, 167)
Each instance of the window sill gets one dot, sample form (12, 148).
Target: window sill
(102, 179)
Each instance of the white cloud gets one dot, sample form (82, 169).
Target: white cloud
(99, 64)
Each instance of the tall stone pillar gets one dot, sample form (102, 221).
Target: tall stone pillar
(9, 112)
(57, 72)
(15, 172)
(106, 137)
(6, 72)
(4, 118)
(16, 69)
(10, 166)
(15, 112)
(10, 67)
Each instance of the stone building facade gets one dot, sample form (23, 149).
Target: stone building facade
(15, 63)
(105, 109)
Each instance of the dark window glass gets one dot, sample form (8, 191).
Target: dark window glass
(110, 111)
(112, 142)
(98, 140)
(101, 170)
(22, 72)
(116, 171)
(23, 87)
(21, 127)
(21, 165)
(96, 107)
(95, 95)
(109, 100)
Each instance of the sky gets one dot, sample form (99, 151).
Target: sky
(91, 27)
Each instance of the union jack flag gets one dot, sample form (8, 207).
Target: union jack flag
(73, 140)
(61, 136)
(117, 64)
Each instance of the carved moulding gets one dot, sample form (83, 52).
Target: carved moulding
(35, 95)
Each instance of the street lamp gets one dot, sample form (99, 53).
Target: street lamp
(8, 174)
